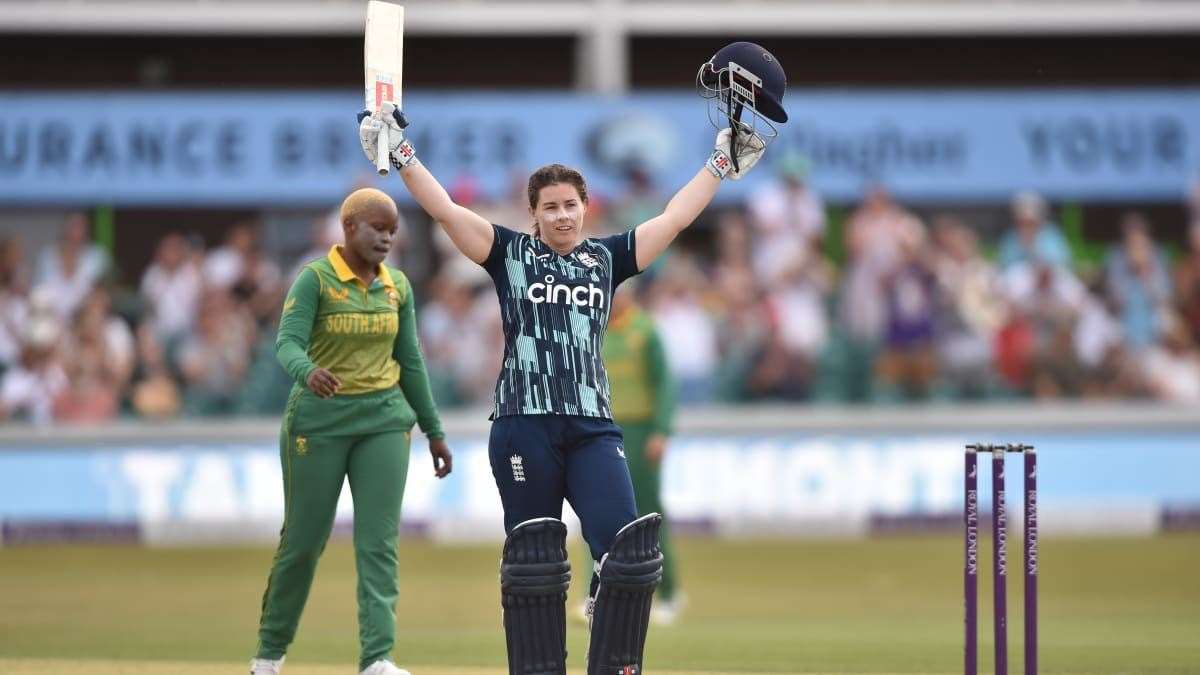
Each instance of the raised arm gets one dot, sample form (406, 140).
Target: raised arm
(654, 235)
(471, 233)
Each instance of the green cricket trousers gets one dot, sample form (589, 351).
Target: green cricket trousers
(322, 442)
(647, 492)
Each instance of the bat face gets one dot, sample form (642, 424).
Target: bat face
(383, 53)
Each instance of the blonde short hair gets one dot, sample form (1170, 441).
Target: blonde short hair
(366, 200)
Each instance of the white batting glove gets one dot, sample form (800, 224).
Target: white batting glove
(400, 151)
(750, 148)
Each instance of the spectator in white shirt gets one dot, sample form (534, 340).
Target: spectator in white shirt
(98, 359)
(30, 388)
(172, 287)
(687, 329)
(788, 218)
(72, 267)
(223, 265)
(1172, 368)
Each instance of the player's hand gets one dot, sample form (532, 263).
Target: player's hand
(656, 447)
(750, 148)
(323, 383)
(400, 151)
(443, 459)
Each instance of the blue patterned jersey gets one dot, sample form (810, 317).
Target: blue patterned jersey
(555, 311)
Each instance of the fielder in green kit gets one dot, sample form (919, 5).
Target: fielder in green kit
(643, 405)
(348, 337)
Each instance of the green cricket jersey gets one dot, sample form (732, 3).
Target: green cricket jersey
(642, 390)
(366, 336)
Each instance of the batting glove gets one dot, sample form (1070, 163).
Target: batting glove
(750, 148)
(400, 151)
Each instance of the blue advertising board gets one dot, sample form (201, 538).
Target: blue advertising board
(301, 148)
(1088, 482)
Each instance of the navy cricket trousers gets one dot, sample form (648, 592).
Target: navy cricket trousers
(540, 460)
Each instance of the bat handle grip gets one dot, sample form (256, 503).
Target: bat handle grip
(382, 161)
(734, 121)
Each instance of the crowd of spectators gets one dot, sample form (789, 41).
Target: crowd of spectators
(786, 300)
(193, 337)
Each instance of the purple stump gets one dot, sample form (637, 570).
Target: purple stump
(971, 559)
(999, 561)
(1031, 561)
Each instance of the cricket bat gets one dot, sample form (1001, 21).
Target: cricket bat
(383, 61)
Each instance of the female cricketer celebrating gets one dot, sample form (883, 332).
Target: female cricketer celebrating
(348, 336)
(553, 437)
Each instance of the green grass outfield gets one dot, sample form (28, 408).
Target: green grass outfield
(886, 605)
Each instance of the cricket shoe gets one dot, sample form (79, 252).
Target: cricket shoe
(666, 611)
(383, 667)
(266, 666)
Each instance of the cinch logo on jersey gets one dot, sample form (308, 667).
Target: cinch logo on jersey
(563, 294)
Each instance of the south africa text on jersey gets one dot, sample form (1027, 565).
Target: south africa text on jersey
(357, 323)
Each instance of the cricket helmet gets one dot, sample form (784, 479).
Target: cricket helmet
(743, 76)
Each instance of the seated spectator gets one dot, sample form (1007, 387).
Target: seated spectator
(98, 361)
(797, 327)
(14, 306)
(325, 232)
(875, 233)
(798, 298)
(1046, 303)
(741, 333)
(733, 250)
(907, 366)
(970, 309)
(171, 287)
(462, 339)
(29, 389)
(778, 373)
(69, 269)
(214, 360)
(1187, 281)
(686, 329)
(222, 266)
(788, 218)
(155, 392)
(640, 201)
(1137, 280)
(240, 267)
(266, 386)
(1033, 239)
(1172, 367)
(1108, 368)
(258, 287)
